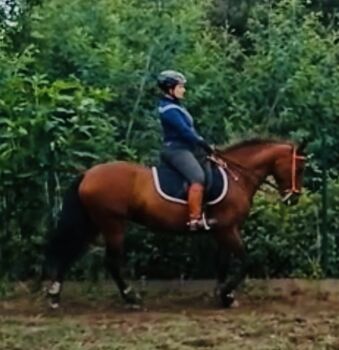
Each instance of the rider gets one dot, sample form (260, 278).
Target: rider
(182, 142)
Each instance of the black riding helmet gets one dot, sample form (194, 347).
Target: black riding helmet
(168, 79)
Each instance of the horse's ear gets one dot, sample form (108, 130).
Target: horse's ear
(301, 147)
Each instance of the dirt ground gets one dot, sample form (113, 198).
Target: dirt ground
(275, 314)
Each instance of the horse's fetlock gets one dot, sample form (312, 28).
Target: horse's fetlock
(54, 289)
(131, 296)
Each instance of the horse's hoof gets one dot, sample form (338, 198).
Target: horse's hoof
(131, 297)
(235, 304)
(227, 299)
(133, 307)
(54, 305)
(53, 301)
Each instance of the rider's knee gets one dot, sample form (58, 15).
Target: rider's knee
(199, 178)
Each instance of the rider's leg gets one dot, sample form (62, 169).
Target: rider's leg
(195, 196)
(186, 163)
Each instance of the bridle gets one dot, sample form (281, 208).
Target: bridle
(288, 193)
(294, 190)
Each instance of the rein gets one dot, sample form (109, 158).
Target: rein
(223, 162)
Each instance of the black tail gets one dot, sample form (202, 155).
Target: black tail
(71, 237)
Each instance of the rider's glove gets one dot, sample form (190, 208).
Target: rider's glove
(208, 148)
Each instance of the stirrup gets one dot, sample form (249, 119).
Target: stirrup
(202, 223)
(195, 225)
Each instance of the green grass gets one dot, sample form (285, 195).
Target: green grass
(164, 331)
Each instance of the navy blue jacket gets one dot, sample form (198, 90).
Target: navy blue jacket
(178, 126)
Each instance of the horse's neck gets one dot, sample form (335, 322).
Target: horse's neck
(256, 163)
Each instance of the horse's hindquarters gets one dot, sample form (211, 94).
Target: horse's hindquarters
(107, 189)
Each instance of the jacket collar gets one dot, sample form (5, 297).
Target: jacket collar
(171, 100)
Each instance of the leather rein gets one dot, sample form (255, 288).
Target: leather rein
(224, 162)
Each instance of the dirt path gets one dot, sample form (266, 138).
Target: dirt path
(272, 315)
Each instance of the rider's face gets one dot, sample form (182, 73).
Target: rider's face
(179, 91)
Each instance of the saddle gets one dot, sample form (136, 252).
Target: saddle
(172, 186)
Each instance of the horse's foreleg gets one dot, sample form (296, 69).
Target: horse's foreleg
(223, 262)
(231, 255)
(113, 260)
(221, 292)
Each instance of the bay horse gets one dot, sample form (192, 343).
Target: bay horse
(108, 195)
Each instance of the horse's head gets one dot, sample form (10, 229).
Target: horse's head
(288, 173)
(255, 159)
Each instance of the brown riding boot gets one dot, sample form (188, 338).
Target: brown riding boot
(195, 196)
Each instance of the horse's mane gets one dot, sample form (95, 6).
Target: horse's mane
(256, 141)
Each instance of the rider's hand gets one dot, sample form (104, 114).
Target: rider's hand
(209, 148)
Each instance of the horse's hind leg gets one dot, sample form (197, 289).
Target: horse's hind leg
(62, 251)
(114, 252)
(73, 233)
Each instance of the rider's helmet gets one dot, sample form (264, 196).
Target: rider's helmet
(168, 79)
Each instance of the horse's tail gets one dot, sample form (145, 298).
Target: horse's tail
(70, 238)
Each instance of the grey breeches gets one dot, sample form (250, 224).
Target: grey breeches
(185, 163)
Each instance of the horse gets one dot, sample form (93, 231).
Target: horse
(106, 196)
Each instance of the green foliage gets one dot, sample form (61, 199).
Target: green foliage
(288, 241)
(49, 130)
(77, 88)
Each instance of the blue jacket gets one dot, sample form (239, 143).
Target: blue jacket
(178, 124)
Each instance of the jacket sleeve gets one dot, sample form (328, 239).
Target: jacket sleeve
(173, 118)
